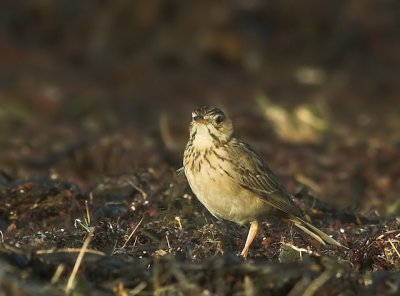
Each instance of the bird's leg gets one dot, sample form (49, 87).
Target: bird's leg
(250, 237)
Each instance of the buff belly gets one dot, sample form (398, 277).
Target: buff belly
(224, 198)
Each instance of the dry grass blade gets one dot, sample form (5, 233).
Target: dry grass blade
(308, 182)
(139, 288)
(317, 283)
(166, 132)
(305, 124)
(130, 235)
(394, 247)
(57, 274)
(144, 194)
(78, 262)
(70, 250)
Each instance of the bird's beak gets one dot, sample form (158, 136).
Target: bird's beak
(199, 119)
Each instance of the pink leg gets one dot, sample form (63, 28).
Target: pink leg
(250, 237)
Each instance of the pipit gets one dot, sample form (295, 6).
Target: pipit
(232, 181)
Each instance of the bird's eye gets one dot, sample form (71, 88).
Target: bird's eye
(219, 119)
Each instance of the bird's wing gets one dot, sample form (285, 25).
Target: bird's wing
(253, 174)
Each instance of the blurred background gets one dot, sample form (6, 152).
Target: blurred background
(94, 88)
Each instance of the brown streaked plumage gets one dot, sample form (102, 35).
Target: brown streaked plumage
(232, 181)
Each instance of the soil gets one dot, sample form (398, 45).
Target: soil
(95, 103)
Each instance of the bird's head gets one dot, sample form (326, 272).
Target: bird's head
(210, 127)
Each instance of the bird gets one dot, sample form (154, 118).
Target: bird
(233, 181)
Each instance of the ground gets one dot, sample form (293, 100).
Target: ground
(95, 103)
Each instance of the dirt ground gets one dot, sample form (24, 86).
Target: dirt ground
(95, 103)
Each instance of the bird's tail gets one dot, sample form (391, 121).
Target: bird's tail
(313, 231)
